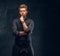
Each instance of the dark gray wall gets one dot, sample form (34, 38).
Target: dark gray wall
(44, 14)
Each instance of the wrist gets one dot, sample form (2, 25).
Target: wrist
(22, 21)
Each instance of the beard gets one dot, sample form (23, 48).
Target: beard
(24, 16)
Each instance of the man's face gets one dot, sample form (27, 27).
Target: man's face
(23, 11)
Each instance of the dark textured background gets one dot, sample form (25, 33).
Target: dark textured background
(44, 14)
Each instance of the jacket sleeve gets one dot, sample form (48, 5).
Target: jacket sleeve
(14, 27)
(30, 27)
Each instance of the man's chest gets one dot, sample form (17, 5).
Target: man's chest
(20, 25)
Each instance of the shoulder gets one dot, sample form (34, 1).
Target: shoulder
(15, 20)
(30, 20)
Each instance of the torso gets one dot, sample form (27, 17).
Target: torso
(22, 40)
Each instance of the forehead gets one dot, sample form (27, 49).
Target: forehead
(22, 9)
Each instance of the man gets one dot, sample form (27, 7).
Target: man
(22, 29)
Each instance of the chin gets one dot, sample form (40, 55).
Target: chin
(23, 15)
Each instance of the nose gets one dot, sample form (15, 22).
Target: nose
(22, 13)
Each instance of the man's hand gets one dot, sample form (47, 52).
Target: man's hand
(22, 33)
(23, 23)
(22, 19)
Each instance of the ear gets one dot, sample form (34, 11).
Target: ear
(27, 11)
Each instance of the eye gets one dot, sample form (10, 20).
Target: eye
(23, 10)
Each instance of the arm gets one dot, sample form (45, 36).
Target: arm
(28, 29)
(15, 31)
(21, 33)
